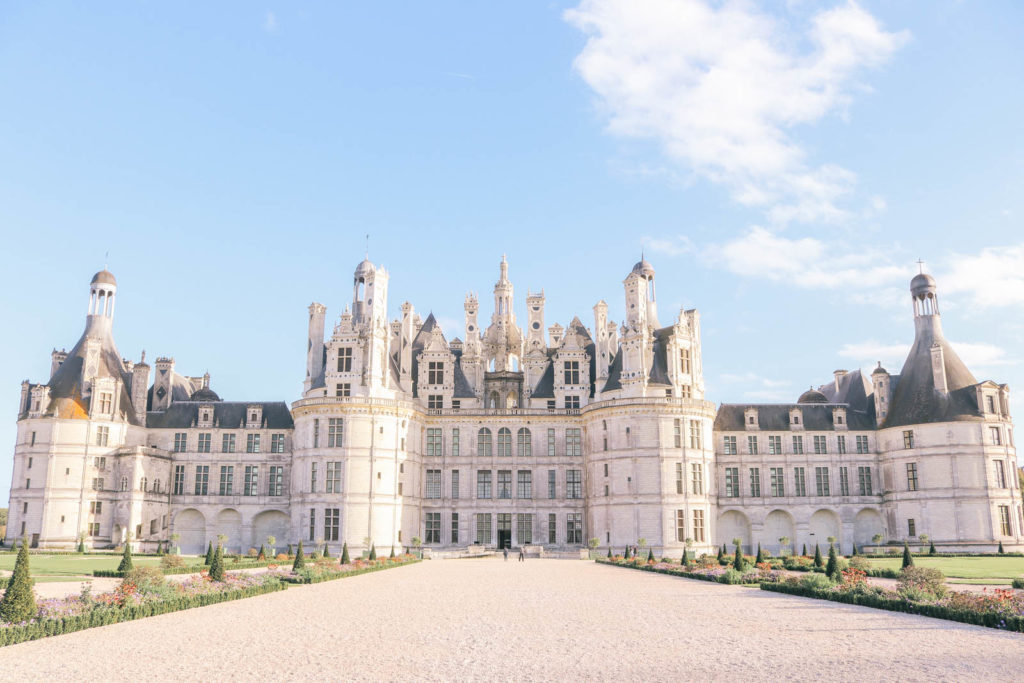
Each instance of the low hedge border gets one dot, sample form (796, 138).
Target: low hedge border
(190, 569)
(104, 616)
(342, 575)
(668, 572)
(1010, 623)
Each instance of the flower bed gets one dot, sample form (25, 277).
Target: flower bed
(189, 569)
(127, 602)
(702, 572)
(323, 571)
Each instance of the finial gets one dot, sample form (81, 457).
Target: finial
(143, 356)
(106, 259)
(367, 246)
(920, 267)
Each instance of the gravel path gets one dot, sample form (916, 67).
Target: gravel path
(540, 620)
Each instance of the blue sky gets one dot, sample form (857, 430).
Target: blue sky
(783, 165)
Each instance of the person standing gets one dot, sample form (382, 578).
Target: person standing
(522, 554)
(505, 550)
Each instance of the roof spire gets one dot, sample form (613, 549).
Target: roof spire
(367, 246)
(920, 267)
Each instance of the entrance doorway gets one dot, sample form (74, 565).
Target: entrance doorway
(504, 538)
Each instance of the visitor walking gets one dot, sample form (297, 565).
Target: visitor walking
(522, 554)
(505, 550)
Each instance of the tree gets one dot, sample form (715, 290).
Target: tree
(1001, 551)
(126, 559)
(721, 554)
(217, 564)
(725, 551)
(344, 553)
(609, 552)
(650, 555)
(685, 561)
(290, 550)
(19, 601)
(818, 561)
(300, 559)
(832, 569)
(854, 553)
(804, 553)
(272, 545)
(81, 543)
(931, 548)
(392, 555)
(175, 537)
(737, 561)
(373, 551)
(908, 560)
(327, 551)
(783, 545)
(877, 538)
(209, 554)
(262, 555)
(760, 555)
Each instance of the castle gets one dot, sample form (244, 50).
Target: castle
(537, 437)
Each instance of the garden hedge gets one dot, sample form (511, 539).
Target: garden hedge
(341, 575)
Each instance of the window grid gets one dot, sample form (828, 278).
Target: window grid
(755, 482)
(732, 482)
(799, 481)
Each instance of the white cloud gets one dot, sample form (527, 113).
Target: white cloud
(804, 262)
(975, 355)
(718, 85)
(993, 277)
(270, 22)
(673, 246)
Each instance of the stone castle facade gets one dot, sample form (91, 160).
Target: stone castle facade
(516, 436)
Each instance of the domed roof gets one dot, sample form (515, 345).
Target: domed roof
(812, 396)
(366, 267)
(922, 282)
(104, 277)
(205, 394)
(643, 268)
(880, 370)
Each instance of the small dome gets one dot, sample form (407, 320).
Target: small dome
(104, 277)
(365, 268)
(922, 283)
(205, 394)
(644, 268)
(879, 370)
(812, 396)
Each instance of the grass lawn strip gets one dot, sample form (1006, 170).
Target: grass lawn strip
(962, 567)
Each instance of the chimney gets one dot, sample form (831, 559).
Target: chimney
(839, 374)
(315, 344)
(140, 386)
(939, 369)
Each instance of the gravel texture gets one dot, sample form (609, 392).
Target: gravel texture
(486, 619)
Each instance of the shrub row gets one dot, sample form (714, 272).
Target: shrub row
(990, 619)
(188, 569)
(330, 576)
(104, 616)
(685, 575)
(896, 552)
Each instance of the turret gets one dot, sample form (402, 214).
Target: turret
(406, 334)
(163, 383)
(140, 384)
(57, 358)
(102, 294)
(882, 391)
(602, 351)
(535, 319)
(315, 344)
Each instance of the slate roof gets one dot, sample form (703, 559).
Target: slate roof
(226, 414)
(817, 417)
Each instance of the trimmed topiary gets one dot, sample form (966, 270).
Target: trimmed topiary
(854, 553)
(908, 560)
(300, 559)
(81, 546)
(262, 555)
(159, 548)
(832, 568)
(290, 551)
(931, 548)
(684, 561)
(209, 554)
(650, 555)
(217, 564)
(327, 552)
(373, 551)
(126, 559)
(392, 555)
(19, 602)
(760, 555)
(1001, 551)
(818, 560)
(737, 561)
(804, 553)
(344, 553)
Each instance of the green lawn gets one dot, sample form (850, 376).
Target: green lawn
(70, 567)
(962, 567)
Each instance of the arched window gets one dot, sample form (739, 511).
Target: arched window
(524, 447)
(124, 483)
(142, 484)
(505, 442)
(483, 442)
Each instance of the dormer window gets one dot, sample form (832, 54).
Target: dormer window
(435, 372)
(750, 420)
(345, 359)
(990, 403)
(572, 372)
(107, 402)
(684, 361)
(255, 416)
(796, 419)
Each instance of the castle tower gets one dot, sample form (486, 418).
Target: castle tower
(315, 344)
(535, 319)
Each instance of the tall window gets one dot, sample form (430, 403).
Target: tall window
(574, 527)
(277, 443)
(483, 443)
(862, 444)
(995, 435)
(204, 443)
(275, 485)
(695, 434)
(333, 477)
(697, 478)
(434, 441)
(316, 433)
(1000, 475)
(677, 433)
(911, 476)
(732, 482)
(698, 526)
(345, 359)
(455, 441)
(820, 445)
(524, 484)
(680, 482)
(798, 444)
(505, 442)
(504, 483)
(1004, 520)
(912, 527)
(775, 445)
(908, 438)
(312, 524)
(990, 404)
(524, 443)
(252, 443)
(752, 445)
(432, 528)
(227, 443)
(821, 481)
(680, 525)
(574, 484)
(729, 445)
(778, 482)
(434, 485)
(227, 479)
(572, 372)
(483, 527)
(251, 484)
(551, 484)
(864, 479)
(335, 432)
(455, 483)
(106, 402)
(551, 443)
(844, 482)
(180, 442)
(799, 481)
(524, 528)
(483, 484)
(312, 477)
(455, 527)
(179, 480)
(684, 361)
(573, 441)
(841, 444)
(435, 375)
(332, 518)
(755, 482)
(552, 528)
(202, 480)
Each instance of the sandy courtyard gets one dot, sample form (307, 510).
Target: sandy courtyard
(541, 620)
